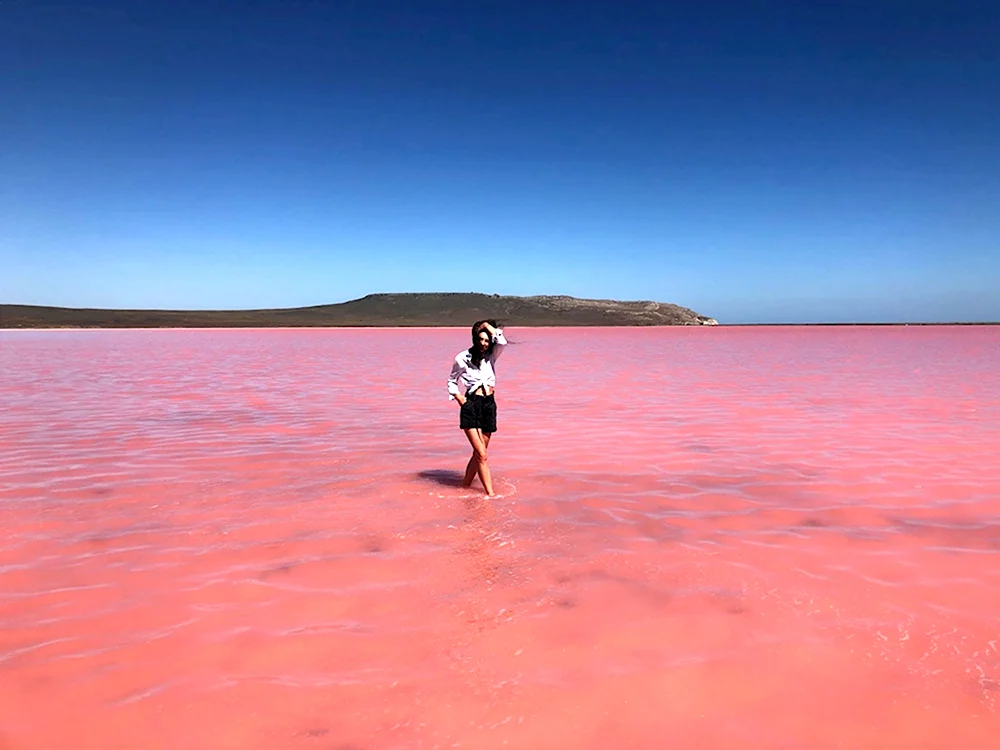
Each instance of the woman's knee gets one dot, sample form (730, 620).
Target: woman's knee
(481, 455)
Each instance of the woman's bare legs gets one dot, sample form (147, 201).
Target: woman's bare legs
(477, 464)
(473, 466)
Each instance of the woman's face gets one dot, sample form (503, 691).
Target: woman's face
(483, 339)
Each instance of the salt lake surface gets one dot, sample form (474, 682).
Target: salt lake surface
(707, 538)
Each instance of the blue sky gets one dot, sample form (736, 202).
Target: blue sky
(758, 162)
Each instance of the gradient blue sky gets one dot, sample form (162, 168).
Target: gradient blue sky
(756, 161)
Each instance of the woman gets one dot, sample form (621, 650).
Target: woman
(471, 383)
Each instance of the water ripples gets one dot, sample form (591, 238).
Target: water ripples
(237, 521)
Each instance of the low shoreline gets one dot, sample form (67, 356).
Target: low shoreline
(407, 311)
(420, 327)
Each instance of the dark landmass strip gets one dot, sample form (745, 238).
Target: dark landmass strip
(863, 324)
(402, 310)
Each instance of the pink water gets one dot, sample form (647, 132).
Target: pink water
(707, 538)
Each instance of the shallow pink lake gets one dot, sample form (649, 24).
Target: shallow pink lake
(707, 538)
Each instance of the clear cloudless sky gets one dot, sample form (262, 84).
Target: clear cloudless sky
(756, 161)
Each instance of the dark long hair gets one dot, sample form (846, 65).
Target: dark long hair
(474, 354)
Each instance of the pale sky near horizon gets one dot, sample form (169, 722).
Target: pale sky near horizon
(757, 162)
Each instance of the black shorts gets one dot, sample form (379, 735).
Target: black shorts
(479, 412)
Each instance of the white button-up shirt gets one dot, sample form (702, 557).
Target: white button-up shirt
(467, 377)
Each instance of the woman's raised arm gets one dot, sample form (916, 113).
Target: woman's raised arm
(496, 333)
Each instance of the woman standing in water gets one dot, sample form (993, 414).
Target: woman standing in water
(472, 383)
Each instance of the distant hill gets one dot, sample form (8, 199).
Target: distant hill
(425, 309)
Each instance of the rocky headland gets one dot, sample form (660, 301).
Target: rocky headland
(391, 310)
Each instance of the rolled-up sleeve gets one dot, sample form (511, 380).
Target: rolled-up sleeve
(456, 373)
(499, 342)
